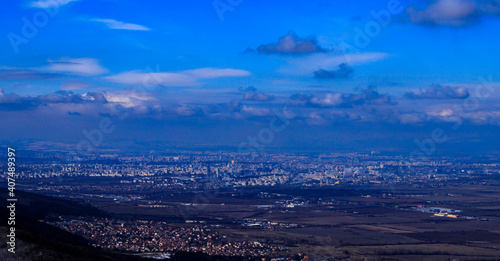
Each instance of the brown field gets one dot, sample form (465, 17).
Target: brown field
(375, 228)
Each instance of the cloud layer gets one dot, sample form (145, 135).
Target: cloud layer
(439, 92)
(14, 102)
(337, 99)
(182, 78)
(13, 74)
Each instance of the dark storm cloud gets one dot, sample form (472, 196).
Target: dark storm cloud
(343, 71)
(291, 44)
(252, 94)
(439, 92)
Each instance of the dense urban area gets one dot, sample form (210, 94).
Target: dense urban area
(273, 206)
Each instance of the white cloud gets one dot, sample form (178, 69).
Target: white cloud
(153, 79)
(80, 66)
(113, 24)
(50, 3)
(329, 99)
(129, 98)
(182, 78)
(209, 73)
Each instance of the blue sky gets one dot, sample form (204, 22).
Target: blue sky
(187, 70)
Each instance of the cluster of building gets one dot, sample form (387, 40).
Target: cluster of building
(227, 169)
(154, 236)
(254, 222)
(439, 211)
